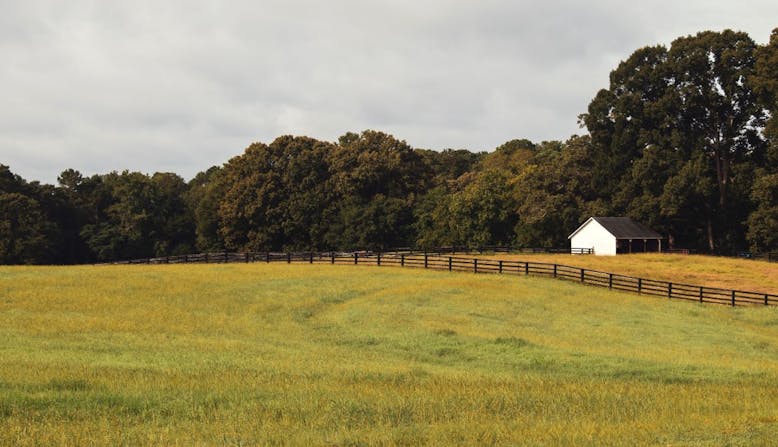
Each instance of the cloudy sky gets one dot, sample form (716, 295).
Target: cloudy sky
(183, 85)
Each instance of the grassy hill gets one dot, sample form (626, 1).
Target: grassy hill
(710, 271)
(341, 355)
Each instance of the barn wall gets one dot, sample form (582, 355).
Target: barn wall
(594, 235)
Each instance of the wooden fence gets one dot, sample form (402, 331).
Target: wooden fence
(596, 278)
(462, 249)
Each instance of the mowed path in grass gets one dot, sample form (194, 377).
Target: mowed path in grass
(342, 355)
(710, 271)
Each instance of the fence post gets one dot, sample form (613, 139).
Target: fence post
(167, 259)
(526, 268)
(582, 275)
(700, 293)
(378, 259)
(186, 259)
(310, 259)
(669, 290)
(610, 280)
(267, 257)
(640, 285)
(225, 257)
(475, 265)
(356, 258)
(500, 267)
(402, 260)
(554, 270)
(288, 258)
(425, 259)
(733, 298)
(449, 269)
(247, 257)
(206, 258)
(332, 257)
(765, 299)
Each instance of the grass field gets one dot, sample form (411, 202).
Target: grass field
(727, 273)
(341, 355)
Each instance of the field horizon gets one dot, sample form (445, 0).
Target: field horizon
(276, 354)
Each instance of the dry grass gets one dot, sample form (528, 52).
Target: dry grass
(728, 273)
(342, 355)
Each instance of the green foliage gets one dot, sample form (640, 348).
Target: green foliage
(375, 179)
(667, 108)
(202, 198)
(274, 197)
(512, 157)
(482, 212)
(555, 193)
(763, 222)
(134, 215)
(22, 229)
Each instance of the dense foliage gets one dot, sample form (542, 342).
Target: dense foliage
(684, 139)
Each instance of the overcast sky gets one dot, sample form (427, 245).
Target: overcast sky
(183, 85)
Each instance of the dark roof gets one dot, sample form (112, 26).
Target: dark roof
(626, 228)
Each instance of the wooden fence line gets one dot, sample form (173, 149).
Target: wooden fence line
(614, 281)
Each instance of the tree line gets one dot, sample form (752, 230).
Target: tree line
(684, 139)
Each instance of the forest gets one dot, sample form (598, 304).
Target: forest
(684, 139)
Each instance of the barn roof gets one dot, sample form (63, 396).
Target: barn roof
(622, 228)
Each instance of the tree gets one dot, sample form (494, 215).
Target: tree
(202, 197)
(133, 215)
(763, 221)
(449, 164)
(629, 116)
(765, 82)
(22, 229)
(173, 229)
(370, 170)
(695, 98)
(555, 192)
(762, 232)
(511, 157)
(483, 212)
(274, 196)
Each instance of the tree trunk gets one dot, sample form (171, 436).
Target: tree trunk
(709, 228)
(722, 175)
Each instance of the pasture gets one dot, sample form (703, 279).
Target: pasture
(709, 271)
(276, 354)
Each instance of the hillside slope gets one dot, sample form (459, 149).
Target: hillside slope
(709, 271)
(342, 355)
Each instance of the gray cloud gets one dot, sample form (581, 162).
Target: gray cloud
(180, 86)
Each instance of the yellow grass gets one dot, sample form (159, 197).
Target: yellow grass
(342, 355)
(728, 273)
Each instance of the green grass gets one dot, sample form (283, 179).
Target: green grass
(342, 355)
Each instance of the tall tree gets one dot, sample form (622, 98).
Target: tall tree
(275, 195)
(374, 174)
(763, 221)
(555, 193)
(204, 193)
(22, 229)
(695, 98)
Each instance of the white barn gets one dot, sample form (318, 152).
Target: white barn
(614, 235)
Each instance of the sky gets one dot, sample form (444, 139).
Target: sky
(179, 86)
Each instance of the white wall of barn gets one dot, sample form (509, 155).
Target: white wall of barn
(594, 235)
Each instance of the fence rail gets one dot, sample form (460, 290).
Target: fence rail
(614, 281)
